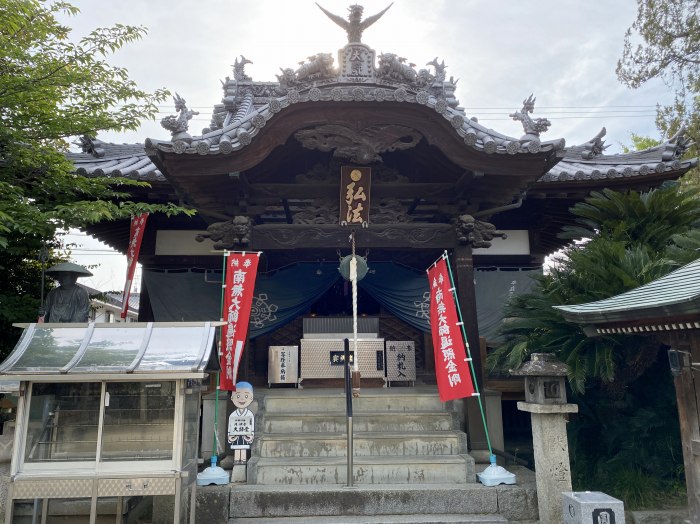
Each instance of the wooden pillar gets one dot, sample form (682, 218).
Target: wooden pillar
(464, 274)
(145, 309)
(466, 294)
(688, 395)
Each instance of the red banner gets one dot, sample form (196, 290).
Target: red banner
(138, 226)
(451, 366)
(239, 283)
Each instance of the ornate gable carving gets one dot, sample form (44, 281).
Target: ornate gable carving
(361, 147)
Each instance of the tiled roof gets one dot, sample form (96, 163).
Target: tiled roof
(248, 106)
(240, 127)
(361, 76)
(116, 160)
(114, 298)
(586, 162)
(676, 293)
(131, 161)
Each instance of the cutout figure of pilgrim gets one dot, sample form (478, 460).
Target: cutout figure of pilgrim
(241, 429)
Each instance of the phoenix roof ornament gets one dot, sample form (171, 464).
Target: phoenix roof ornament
(354, 25)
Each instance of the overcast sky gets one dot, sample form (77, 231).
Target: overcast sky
(562, 51)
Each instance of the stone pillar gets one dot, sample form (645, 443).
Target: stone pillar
(545, 400)
(551, 447)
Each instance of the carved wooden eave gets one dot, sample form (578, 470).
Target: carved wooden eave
(271, 237)
(204, 179)
(582, 169)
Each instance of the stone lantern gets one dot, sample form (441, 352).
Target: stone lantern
(544, 379)
(545, 400)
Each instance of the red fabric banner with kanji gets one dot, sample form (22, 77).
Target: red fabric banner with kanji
(239, 284)
(451, 366)
(138, 226)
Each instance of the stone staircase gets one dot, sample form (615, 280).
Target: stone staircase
(401, 436)
(410, 464)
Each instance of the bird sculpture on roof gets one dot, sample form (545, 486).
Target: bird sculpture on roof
(354, 25)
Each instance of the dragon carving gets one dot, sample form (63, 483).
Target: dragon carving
(230, 234)
(178, 124)
(532, 127)
(476, 233)
(317, 67)
(394, 67)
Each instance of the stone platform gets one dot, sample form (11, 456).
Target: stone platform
(410, 464)
(428, 503)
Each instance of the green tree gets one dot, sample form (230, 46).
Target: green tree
(639, 143)
(52, 89)
(624, 240)
(625, 439)
(664, 42)
(20, 285)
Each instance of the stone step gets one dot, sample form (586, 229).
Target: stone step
(382, 503)
(280, 445)
(334, 422)
(423, 469)
(370, 400)
(380, 519)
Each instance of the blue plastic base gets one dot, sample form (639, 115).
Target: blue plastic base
(494, 475)
(212, 475)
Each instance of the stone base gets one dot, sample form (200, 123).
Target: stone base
(375, 503)
(238, 473)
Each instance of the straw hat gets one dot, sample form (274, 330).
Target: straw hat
(69, 267)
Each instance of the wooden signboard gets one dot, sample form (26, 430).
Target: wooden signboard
(354, 195)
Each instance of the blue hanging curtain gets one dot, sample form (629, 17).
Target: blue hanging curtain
(402, 291)
(279, 297)
(287, 293)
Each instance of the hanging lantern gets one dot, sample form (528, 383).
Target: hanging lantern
(344, 267)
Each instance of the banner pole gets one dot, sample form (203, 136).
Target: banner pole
(218, 375)
(348, 411)
(469, 352)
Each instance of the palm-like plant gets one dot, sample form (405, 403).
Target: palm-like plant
(645, 219)
(625, 438)
(627, 239)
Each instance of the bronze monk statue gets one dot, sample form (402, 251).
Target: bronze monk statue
(68, 302)
(354, 25)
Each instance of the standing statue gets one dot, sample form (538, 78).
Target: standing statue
(354, 25)
(241, 429)
(68, 302)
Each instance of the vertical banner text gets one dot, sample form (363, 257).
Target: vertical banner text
(138, 226)
(239, 284)
(451, 366)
